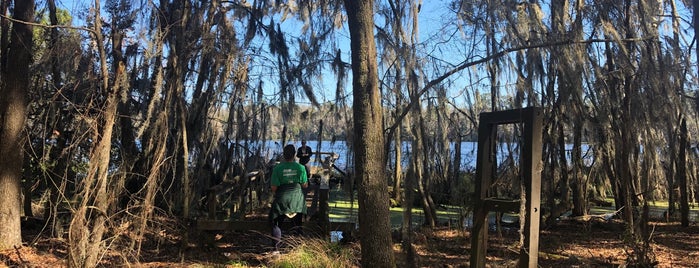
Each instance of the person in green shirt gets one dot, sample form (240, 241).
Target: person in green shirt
(288, 180)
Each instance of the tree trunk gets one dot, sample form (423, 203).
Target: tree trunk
(13, 113)
(375, 225)
(627, 134)
(564, 183)
(456, 165)
(580, 184)
(682, 174)
(398, 171)
(128, 142)
(26, 184)
(183, 166)
(178, 60)
(419, 160)
(4, 37)
(407, 223)
(695, 22)
(55, 181)
(398, 142)
(90, 219)
(492, 67)
(443, 140)
(670, 171)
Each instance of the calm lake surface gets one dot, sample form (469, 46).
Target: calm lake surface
(468, 152)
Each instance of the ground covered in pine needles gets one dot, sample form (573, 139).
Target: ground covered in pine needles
(568, 244)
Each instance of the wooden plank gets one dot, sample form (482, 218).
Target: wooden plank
(508, 116)
(327, 153)
(502, 205)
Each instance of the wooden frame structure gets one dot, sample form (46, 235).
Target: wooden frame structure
(530, 160)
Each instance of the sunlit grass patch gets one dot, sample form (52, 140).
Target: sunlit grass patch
(666, 203)
(236, 264)
(312, 252)
(342, 204)
(344, 210)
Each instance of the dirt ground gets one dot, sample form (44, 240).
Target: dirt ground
(568, 244)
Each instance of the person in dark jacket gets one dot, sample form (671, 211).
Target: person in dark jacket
(304, 154)
(288, 180)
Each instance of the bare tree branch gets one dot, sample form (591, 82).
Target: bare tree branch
(466, 64)
(92, 31)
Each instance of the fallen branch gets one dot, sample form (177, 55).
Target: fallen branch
(19, 255)
(587, 218)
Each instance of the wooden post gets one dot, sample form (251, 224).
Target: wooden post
(484, 166)
(531, 162)
(324, 208)
(318, 171)
(320, 141)
(211, 201)
(324, 213)
(283, 136)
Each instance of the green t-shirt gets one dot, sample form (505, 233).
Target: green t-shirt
(289, 172)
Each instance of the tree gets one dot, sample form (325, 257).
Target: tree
(90, 220)
(375, 225)
(695, 23)
(13, 114)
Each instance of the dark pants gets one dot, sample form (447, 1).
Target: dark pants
(297, 227)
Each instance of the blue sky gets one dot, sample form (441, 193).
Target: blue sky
(434, 14)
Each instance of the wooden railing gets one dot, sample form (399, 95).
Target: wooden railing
(320, 223)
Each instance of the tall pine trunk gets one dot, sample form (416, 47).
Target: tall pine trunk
(13, 114)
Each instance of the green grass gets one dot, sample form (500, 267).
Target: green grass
(660, 204)
(341, 209)
(237, 263)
